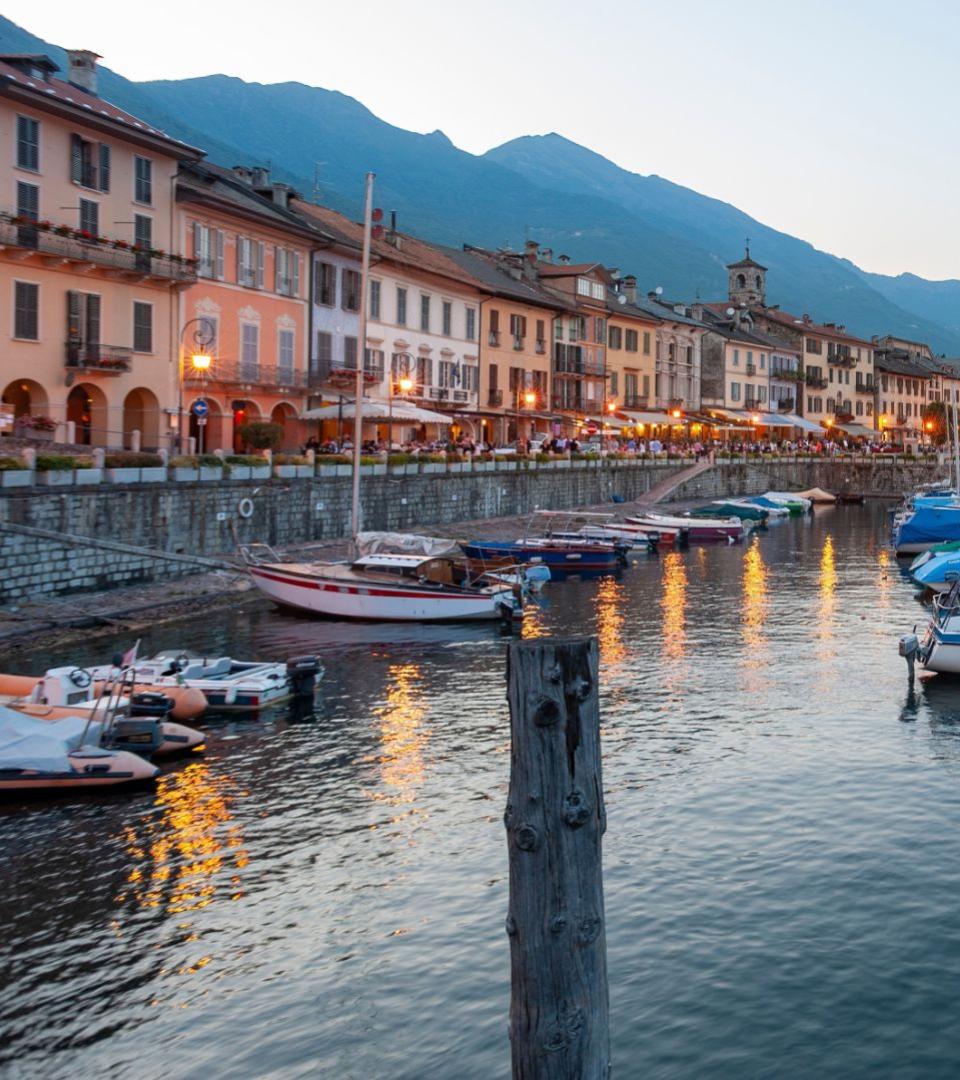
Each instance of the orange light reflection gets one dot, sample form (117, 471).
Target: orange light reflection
(673, 599)
(403, 738)
(610, 599)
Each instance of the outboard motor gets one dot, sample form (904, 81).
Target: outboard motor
(302, 671)
(150, 703)
(653, 539)
(622, 550)
(909, 648)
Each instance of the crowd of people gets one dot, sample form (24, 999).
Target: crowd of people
(608, 444)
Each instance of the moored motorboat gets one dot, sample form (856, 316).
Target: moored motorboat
(749, 515)
(38, 756)
(927, 524)
(817, 495)
(700, 529)
(939, 648)
(774, 509)
(227, 685)
(570, 554)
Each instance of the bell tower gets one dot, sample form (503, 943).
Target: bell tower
(747, 281)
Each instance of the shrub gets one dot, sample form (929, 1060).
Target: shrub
(131, 459)
(184, 461)
(434, 459)
(210, 461)
(370, 459)
(55, 462)
(251, 460)
(261, 434)
(399, 459)
(11, 464)
(543, 458)
(290, 459)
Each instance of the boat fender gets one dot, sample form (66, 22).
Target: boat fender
(81, 679)
(245, 508)
(302, 671)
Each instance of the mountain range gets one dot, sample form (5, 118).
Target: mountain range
(541, 187)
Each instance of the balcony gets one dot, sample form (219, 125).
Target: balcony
(865, 385)
(518, 343)
(238, 373)
(495, 398)
(461, 395)
(786, 404)
(816, 382)
(752, 404)
(342, 373)
(842, 360)
(493, 339)
(786, 374)
(751, 369)
(634, 401)
(56, 244)
(105, 359)
(541, 346)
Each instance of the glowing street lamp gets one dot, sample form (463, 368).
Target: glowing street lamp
(200, 361)
(530, 399)
(405, 384)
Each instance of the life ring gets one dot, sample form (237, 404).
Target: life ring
(245, 508)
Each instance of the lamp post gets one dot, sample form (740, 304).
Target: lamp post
(203, 333)
(528, 398)
(400, 381)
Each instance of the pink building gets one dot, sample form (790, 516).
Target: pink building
(88, 260)
(249, 308)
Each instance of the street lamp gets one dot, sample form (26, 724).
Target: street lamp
(400, 381)
(203, 333)
(527, 397)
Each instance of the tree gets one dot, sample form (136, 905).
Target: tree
(935, 422)
(261, 434)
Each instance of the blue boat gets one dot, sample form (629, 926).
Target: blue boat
(927, 524)
(557, 554)
(937, 568)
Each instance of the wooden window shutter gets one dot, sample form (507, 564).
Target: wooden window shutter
(76, 159)
(196, 240)
(93, 319)
(217, 237)
(261, 247)
(279, 260)
(295, 273)
(104, 184)
(494, 319)
(241, 242)
(73, 317)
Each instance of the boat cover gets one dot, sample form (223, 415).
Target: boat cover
(817, 495)
(29, 743)
(384, 543)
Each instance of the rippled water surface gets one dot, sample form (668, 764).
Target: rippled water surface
(327, 896)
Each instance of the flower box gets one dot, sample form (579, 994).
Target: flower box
(16, 478)
(56, 478)
(36, 434)
(285, 472)
(344, 470)
(152, 474)
(455, 466)
(433, 467)
(211, 472)
(88, 476)
(184, 473)
(240, 472)
(509, 466)
(562, 463)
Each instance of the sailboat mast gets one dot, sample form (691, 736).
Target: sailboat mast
(956, 443)
(361, 355)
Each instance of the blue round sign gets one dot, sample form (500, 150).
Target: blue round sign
(200, 407)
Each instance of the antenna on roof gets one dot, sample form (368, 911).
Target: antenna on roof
(659, 290)
(731, 311)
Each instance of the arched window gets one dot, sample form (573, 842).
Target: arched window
(759, 285)
(741, 281)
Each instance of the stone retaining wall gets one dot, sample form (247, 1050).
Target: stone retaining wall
(203, 519)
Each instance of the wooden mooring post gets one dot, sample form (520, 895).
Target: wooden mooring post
(555, 819)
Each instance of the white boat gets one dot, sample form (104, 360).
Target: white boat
(39, 755)
(384, 587)
(696, 528)
(939, 649)
(228, 685)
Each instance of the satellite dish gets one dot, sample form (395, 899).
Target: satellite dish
(730, 311)
(621, 299)
(659, 290)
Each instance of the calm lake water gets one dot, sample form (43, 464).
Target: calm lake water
(326, 897)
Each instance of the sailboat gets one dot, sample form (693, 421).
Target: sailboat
(375, 585)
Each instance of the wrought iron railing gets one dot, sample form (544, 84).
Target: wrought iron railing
(50, 238)
(111, 359)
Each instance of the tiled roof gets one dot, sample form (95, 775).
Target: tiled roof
(796, 322)
(545, 269)
(66, 94)
(900, 363)
(715, 316)
(202, 181)
(488, 274)
(664, 311)
(746, 261)
(615, 307)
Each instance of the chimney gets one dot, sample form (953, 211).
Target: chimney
(242, 173)
(260, 177)
(841, 328)
(393, 237)
(697, 311)
(630, 288)
(281, 193)
(806, 318)
(564, 259)
(546, 255)
(82, 69)
(531, 250)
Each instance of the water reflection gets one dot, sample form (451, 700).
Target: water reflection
(193, 850)
(403, 738)
(828, 588)
(610, 601)
(884, 582)
(673, 600)
(755, 610)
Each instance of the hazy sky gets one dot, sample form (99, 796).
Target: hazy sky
(834, 121)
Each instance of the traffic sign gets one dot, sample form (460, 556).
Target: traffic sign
(200, 407)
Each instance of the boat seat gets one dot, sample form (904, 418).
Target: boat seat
(208, 671)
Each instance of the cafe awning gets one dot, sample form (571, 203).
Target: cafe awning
(802, 423)
(651, 418)
(858, 431)
(377, 410)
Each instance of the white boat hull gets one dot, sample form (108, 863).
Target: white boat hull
(87, 773)
(336, 599)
